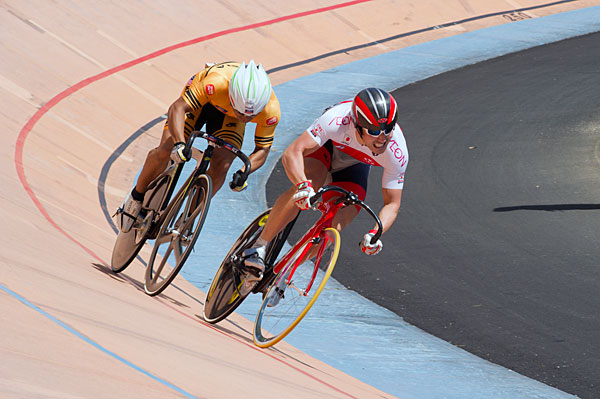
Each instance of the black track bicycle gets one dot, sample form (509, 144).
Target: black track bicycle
(172, 219)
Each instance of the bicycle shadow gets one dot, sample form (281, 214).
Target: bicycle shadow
(236, 331)
(124, 278)
(549, 208)
(245, 335)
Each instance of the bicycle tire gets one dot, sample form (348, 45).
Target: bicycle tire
(223, 295)
(273, 323)
(128, 245)
(125, 250)
(179, 232)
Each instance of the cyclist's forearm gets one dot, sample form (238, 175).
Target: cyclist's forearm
(293, 163)
(293, 157)
(391, 205)
(387, 215)
(176, 118)
(258, 158)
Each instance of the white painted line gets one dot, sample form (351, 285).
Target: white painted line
(69, 45)
(87, 135)
(109, 233)
(121, 46)
(107, 189)
(18, 91)
(129, 83)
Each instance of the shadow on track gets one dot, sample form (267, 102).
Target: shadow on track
(549, 208)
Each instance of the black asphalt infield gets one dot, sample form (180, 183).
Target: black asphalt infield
(497, 245)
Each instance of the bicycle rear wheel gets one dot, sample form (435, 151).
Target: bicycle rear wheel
(228, 288)
(128, 245)
(296, 288)
(177, 235)
(126, 249)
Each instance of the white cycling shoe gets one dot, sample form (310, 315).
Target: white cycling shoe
(128, 213)
(253, 260)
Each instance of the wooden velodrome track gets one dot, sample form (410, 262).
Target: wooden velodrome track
(75, 80)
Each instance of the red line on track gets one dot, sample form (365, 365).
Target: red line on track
(20, 144)
(254, 348)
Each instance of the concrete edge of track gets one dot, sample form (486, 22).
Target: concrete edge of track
(379, 347)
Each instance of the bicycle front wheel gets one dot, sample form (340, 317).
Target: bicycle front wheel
(177, 235)
(228, 288)
(296, 288)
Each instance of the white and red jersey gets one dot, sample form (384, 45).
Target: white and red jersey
(336, 125)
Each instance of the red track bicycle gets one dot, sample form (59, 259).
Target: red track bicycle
(290, 285)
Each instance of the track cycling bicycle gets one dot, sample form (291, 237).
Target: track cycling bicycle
(290, 285)
(174, 225)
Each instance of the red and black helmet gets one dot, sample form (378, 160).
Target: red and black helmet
(375, 110)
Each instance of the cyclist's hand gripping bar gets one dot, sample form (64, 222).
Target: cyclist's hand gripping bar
(187, 151)
(238, 180)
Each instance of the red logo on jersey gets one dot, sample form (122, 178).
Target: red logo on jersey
(210, 89)
(316, 130)
(272, 120)
(339, 120)
(397, 151)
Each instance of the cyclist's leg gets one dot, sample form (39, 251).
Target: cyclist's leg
(229, 129)
(154, 165)
(156, 162)
(219, 165)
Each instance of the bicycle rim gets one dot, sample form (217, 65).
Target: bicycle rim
(177, 236)
(227, 290)
(302, 283)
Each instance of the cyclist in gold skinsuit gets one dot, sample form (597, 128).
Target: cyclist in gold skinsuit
(224, 97)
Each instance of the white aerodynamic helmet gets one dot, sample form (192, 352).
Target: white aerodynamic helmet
(249, 89)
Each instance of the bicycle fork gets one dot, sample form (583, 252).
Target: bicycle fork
(302, 258)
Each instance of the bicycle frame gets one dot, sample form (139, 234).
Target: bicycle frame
(273, 250)
(158, 200)
(200, 169)
(328, 209)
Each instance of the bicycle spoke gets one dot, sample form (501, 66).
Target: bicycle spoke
(163, 238)
(161, 266)
(176, 245)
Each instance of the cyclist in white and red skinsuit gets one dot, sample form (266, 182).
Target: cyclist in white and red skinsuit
(339, 148)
